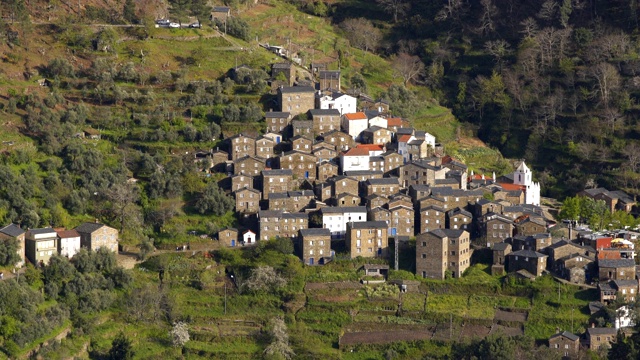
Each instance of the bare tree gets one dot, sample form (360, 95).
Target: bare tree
(607, 81)
(489, 12)
(409, 67)
(529, 27)
(122, 197)
(361, 33)
(548, 10)
(395, 7)
(632, 152)
(453, 9)
(498, 49)
(264, 278)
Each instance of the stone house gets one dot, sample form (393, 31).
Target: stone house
(459, 219)
(277, 121)
(420, 172)
(247, 200)
(398, 199)
(529, 260)
(563, 249)
(364, 175)
(346, 199)
(499, 253)
(286, 69)
(376, 163)
(13, 231)
(432, 217)
(530, 225)
(41, 245)
(276, 223)
(219, 160)
(417, 192)
(376, 135)
(402, 221)
(624, 290)
(615, 200)
(536, 242)
(324, 153)
(241, 181)
(600, 338)
(329, 79)
(302, 128)
(379, 214)
(576, 268)
(340, 140)
(367, 239)
(392, 161)
(249, 165)
(325, 120)
(496, 228)
(315, 246)
(296, 99)
(228, 237)
(616, 269)
(383, 187)
(374, 200)
(264, 148)
(442, 250)
(326, 169)
(95, 235)
(566, 344)
(291, 201)
(276, 181)
(431, 200)
(240, 146)
(344, 184)
(418, 149)
(484, 206)
(68, 242)
(323, 191)
(302, 165)
(302, 144)
(220, 13)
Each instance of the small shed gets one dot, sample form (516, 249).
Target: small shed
(376, 270)
(92, 134)
(248, 237)
(228, 237)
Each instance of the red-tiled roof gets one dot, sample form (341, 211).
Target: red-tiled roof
(356, 116)
(404, 138)
(512, 187)
(394, 121)
(608, 254)
(356, 152)
(370, 147)
(65, 234)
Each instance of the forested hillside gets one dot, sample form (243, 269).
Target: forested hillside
(555, 82)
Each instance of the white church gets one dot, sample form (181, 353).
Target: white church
(523, 176)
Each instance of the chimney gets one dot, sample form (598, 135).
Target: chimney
(593, 325)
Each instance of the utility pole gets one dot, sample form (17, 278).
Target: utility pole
(450, 326)
(396, 252)
(225, 297)
(558, 293)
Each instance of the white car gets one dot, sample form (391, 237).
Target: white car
(174, 25)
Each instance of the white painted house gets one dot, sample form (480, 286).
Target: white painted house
(624, 318)
(403, 148)
(336, 218)
(378, 121)
(69, 243)
(354, 124)
(337, 100)
(355, 159)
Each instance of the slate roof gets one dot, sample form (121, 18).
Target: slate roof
(601, 331)
(282, 65)
(315, 232)
(42, 231)
(88, 227)
(343, 209)
(625, 283)
(296, 89)
(528, 254)
(368, 225)
(12, 230)
(501, 246)
(277, 172)
(322, 112)
(441, 233)
(616, 263)
(276, 114)
(383, 181)
(566, 334)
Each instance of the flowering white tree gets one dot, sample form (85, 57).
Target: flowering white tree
(179, 334)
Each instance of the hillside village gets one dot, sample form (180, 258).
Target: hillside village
(280, 209)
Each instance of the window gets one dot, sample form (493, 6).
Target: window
(424, 256)
(424, 243)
